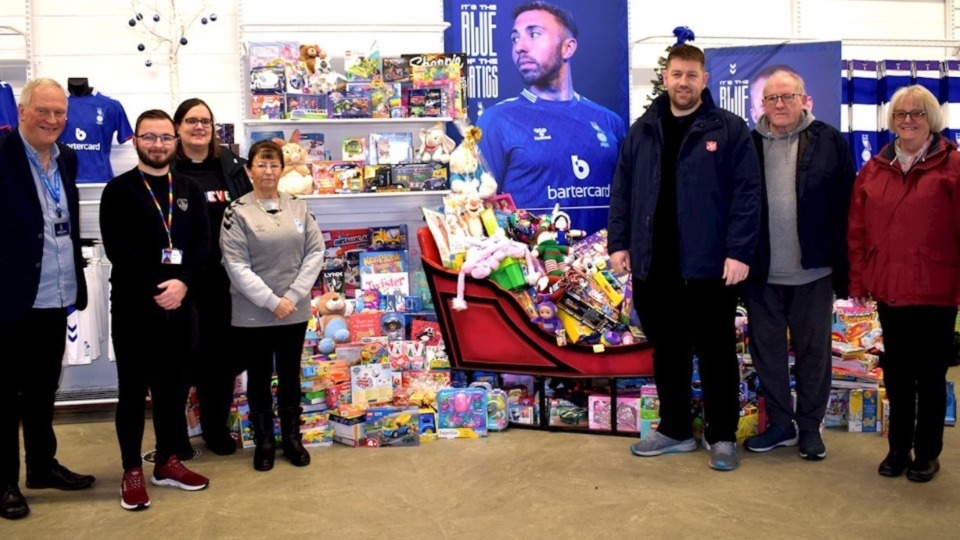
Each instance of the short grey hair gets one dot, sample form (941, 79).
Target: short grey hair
(27, 93)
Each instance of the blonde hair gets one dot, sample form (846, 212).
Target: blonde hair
(922, 96)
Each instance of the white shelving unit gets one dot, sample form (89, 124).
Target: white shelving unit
(394, 35)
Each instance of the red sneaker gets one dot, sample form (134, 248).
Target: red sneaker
(133, 490)
(174, 474)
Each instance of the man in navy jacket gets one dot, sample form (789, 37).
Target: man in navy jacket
(684, 217)
(801, 261)
(41, 268)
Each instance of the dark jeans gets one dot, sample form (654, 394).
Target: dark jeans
(29, 378)
(807, 311)
(152, 347)
(918, 344)
(680, 318)
(270, 349)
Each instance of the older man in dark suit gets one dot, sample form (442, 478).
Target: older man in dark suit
(41, 269)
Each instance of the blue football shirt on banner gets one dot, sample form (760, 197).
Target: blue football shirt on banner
(91, 122)
(546, 152)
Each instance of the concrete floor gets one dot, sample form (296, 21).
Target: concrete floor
(521, 484)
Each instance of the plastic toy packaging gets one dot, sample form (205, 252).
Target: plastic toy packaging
(462, 413)
(498, 416)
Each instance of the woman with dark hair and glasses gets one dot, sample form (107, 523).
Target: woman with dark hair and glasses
(904, 242)
(223, 178)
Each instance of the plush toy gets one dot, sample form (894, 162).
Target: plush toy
(435, 145)
(548, 250)
(547, 317)
(561, 224)
(331, 324)
(466, 174)
(314, 58)
(484, 256)
(295, 178)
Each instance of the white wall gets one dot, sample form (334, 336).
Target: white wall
(91, 38)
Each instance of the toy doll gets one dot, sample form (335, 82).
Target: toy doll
(547, 317)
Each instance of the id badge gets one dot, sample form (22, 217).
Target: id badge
(61, 228)
(171, 256)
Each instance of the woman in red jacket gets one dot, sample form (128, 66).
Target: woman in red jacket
(904, 241)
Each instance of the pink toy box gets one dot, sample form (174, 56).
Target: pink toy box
(462, 413)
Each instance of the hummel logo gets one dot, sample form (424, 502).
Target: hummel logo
(733, 69)
(541, 134)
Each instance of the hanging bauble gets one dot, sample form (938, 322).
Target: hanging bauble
(203, 20)
(139, 16)
(156, 18)
(213, 16)
(148, 63)
(183, 41)
(141, 47)
(132, 22)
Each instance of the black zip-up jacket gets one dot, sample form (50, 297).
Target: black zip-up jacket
(718, 191)
(824, 181)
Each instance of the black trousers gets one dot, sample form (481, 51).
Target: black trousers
(270, 349)
(918, 344)
(680, 318)
(152, 347)
(29, 377)
(215, 365)
(807, 310)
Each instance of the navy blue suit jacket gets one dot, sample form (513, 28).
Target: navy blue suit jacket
(21, 226)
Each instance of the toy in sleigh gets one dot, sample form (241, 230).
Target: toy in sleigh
(496, 332)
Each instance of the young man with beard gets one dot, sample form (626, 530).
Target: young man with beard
(684, 217)
(551, 145)
(156, 234)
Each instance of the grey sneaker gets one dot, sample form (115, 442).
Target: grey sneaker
(657, 444)
(723, 455)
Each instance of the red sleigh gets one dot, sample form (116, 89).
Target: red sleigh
(495, 334)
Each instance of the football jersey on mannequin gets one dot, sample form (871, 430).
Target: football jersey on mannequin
(91, 122)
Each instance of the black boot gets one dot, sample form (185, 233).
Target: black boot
(266, 449)
(290, 439)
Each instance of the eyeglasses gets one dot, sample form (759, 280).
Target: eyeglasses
(150, 138)
(900, 116)
(205, 122)
(271, 166)
(787, 98)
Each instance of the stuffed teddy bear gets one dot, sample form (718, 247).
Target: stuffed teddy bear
(466, 174)
(295, 178)
(484, 256)
(331, 324)
(314, 58)
(435, 145)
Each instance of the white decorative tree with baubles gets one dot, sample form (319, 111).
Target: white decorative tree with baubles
(163, 29)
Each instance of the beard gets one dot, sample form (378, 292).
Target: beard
(541, 75)
(156, 161)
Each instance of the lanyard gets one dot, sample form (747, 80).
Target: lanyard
(168, 222)
(53, 190)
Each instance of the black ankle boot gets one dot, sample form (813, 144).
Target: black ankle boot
(290, 440)
(266, 450)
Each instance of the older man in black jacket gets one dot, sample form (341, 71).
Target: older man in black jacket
(801, 262)
(42, 270)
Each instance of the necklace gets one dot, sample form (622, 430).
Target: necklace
(272, 216)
